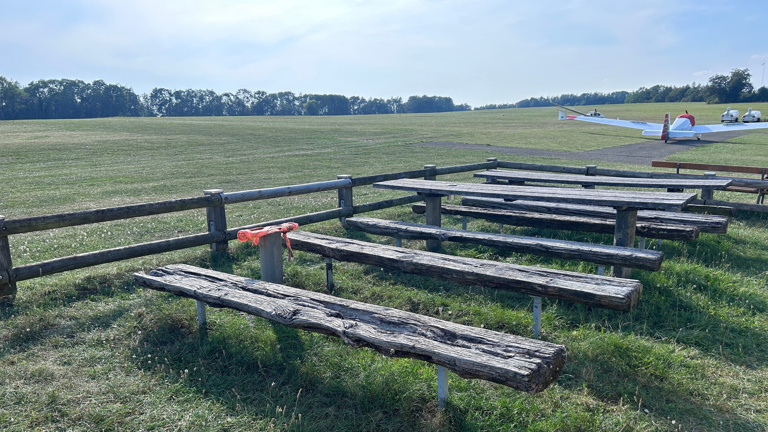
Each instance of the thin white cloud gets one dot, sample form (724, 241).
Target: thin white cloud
(488, 51)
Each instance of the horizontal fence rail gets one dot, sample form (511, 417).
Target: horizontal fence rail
(218, 234)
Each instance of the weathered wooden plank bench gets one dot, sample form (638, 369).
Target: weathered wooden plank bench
(587, 252)
(563, 222)
(524, 364)
(705, 223)
(522, 177)
(599, 291)
(741, 184)
(626, 204)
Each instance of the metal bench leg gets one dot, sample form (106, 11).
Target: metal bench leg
(398, 242)
(329, 274)
(442, 387)
(202, 319)
(641, 244)
(464, 223)
(536, 317)
(600, 270)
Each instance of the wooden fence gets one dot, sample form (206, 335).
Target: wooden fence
(218, 234)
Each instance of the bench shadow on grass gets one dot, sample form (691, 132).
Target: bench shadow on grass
(43, 327)
(619, 365)
(266, 371)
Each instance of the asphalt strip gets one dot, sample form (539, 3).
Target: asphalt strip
(641, 153)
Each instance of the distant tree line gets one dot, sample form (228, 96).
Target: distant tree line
(734, 88)
(65, 98)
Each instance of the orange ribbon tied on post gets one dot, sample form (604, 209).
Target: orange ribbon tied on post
(253, 235)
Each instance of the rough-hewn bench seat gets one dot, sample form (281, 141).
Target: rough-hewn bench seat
(568, 223)
(739, 184)
(608, 292)
(588, 252)
(521, 363)
(520, 177)
(705, 223)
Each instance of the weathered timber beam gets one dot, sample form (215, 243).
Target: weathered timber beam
(523, 364)
(39, 223)
(705, 223)
(607, 292)
(598, 254)
(569, 223)
(739, 206)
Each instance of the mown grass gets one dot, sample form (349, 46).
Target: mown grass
(88, 350)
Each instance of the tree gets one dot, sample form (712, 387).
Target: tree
(730, 89)
(312, 107)
(12, 100)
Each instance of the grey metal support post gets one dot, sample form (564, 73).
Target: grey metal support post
(271, 251)
(329, 274)
(641, 243)
(7, 286)
(398, 242)
(345, 196)
(442, 387)
(536, 317)
(707, 194)
(433, 205)
(217, 220)
(202, 318)
(626, 224)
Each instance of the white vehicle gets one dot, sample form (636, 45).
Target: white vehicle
(729, 115)
(751, 116)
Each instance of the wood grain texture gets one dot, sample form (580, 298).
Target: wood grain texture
(569, 223)
(574, 179)
(705, 223)
(521, 363)
(610, 198)
(588, 252)
(607, 292)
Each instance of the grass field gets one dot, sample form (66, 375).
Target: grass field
(88, 350)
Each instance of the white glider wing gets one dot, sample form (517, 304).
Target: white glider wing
(621, 123)
(725, 127)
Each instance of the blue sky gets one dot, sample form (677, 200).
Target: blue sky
(477, 52)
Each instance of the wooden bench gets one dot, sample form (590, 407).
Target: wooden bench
(521, 363)
(600, 291)
(598, 254)
(590, 181)
(563, 222)
(705, 223)
(759, 187)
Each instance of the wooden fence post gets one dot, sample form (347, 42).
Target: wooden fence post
(7, 287)
(433, 208)
(345, 196)
(217, 220)
(271, 251)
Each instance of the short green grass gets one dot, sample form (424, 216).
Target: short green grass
(88, 350)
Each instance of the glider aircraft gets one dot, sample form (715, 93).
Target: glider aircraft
(684, 125)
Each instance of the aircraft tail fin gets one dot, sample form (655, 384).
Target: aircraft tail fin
(665, 129)
(563, 116)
